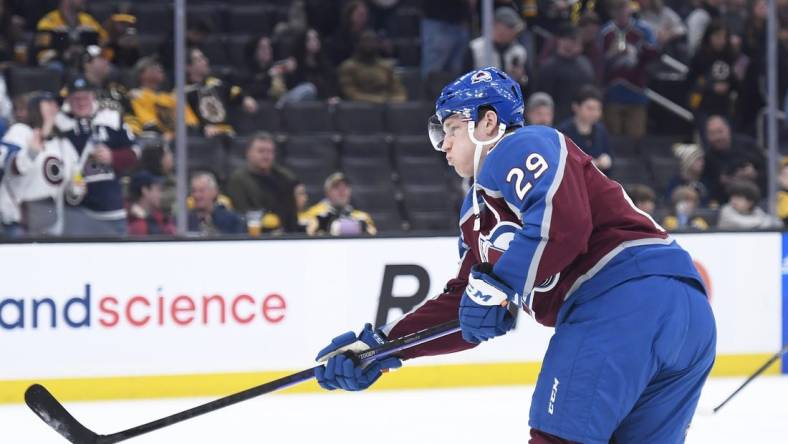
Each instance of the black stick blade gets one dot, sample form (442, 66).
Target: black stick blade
(40, 401)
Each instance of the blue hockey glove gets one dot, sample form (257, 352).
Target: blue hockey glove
(484, 311)
(343, 371)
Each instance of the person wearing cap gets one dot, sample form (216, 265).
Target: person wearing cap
(334, 215)
(123, 45)
(62, 34)
(106, 150)
(540, 109)
(565, 72)
(145, 214)
(152, 108)
(508, 54)
(264, 186)
(38, 169)
(97, 69)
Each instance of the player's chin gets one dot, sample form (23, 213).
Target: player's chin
(463, 172)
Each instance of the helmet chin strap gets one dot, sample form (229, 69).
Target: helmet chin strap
(477, 155)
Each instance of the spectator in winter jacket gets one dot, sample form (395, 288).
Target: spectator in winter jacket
(263, 185)
(366, 77)
(208, 216)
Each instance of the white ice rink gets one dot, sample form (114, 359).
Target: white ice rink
(758, 414)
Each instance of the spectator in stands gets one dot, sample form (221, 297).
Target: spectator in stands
(152, 108)
(96, 69)
(353, 21)
(208, 216)
(754, 35)
(670, 30)
(106, 151)
(628, 46)
(366, 77)
(35, 166)
(539, 109)
(589, 26)
(508, 54)
(266, 79)
(13, 43)
(725, 154)
(444, 36)
(585, 128)
(698, 20)
(692, 162)
(782, 193)
(197, 31)
(157, 159)
(302, 205)
(742, 211)
(146, 216)
(711, 79)
(682, 216)
(334, 215)
(312, 76)
(62, 35)
(210, 97)
(564, 73)
(644, 198)
(123, 44)
(263, 185)
(751, 99)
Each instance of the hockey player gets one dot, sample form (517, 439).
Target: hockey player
(106, 150)
(36, 171)
(542, 229)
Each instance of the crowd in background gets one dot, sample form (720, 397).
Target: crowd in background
(95, 157)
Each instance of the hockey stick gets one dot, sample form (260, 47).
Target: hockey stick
(762, 369)
(52, 412)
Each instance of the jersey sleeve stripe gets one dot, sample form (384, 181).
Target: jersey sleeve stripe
(546, 218)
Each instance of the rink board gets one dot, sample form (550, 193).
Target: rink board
(140, 320)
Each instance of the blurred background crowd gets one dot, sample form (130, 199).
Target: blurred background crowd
(309, 116)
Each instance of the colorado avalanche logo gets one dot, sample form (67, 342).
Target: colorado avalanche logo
(53, 170)
(496, 242)
(481, 76)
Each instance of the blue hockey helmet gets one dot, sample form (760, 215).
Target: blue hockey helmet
(465, 96)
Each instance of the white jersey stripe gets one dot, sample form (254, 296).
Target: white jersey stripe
(546, 218)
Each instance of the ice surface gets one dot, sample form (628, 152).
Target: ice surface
(757, 414)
